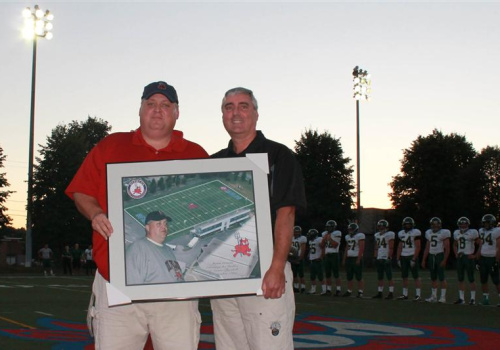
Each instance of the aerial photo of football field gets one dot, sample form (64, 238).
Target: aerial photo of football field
(211, 224)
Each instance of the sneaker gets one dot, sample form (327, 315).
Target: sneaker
(472, 302)
(328, 292)
(486, 301)
(389, 296)
(403, 297)
(360, 295)
(337, 293)
(431, 299)
(303, 290)
(417, 298)
(377, 296)
(459, 302)
(311, 292)
(323, 294)
(442, 300)
(346, 294)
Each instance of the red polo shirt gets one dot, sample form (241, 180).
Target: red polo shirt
(122, 147)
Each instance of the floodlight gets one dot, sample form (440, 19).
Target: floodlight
(27, 12)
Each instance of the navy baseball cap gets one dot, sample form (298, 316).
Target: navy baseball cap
(157, 216)
(160, 87)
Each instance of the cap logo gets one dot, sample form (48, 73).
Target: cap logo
(162, 86)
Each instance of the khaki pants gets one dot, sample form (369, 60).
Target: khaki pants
(252, 322)
(172, 324)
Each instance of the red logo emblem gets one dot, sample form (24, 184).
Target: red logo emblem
(136, 188)
(242, 248)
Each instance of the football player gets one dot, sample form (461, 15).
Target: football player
(436, 253)
(353, 259)
(299, 244)
(315, 257)
(331, 244)
(407, 255)
(384, 247)
(489, 255)
(466, 242)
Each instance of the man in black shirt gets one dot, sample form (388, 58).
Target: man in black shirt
(266, 321)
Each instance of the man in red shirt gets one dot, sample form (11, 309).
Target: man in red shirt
(128, 326)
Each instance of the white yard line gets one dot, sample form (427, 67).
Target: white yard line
(43, 313)
(89, 291)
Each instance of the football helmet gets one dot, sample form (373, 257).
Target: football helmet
(330, 225)
(408, 223)
(490, 220)
(353, 228)
(312, 233)
(297, 230)
(435, 223)
(463, 221)
(382, 224)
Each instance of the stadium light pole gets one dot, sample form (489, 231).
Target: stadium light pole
(37, 24)
(362, 90)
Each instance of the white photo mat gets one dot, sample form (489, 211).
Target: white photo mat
(231, 260)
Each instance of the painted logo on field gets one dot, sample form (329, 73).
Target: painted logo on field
(63, 334)
(137, 189)
(311, 332)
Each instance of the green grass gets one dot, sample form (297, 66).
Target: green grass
(210, 200)
(26, 299)
(406, 311)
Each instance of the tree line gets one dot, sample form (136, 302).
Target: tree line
(444, 176)
(440, 175)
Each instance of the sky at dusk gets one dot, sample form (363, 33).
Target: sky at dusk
(433, 65)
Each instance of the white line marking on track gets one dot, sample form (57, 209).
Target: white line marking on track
(43, 313)
(89, 291)
(68, 285)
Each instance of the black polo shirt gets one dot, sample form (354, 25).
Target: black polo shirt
(285, 180)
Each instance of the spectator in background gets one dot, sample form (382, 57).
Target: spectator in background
(77, 255)
(45, 254)
(89, 261)
(66, 260)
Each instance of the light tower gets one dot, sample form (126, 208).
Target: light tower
(37, 24)
(362, 90)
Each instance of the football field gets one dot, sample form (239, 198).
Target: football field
(42, 313)
(192, 206)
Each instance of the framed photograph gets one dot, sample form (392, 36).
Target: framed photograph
(188, 228)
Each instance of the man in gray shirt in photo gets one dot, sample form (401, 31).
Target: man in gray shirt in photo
(149, 260)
